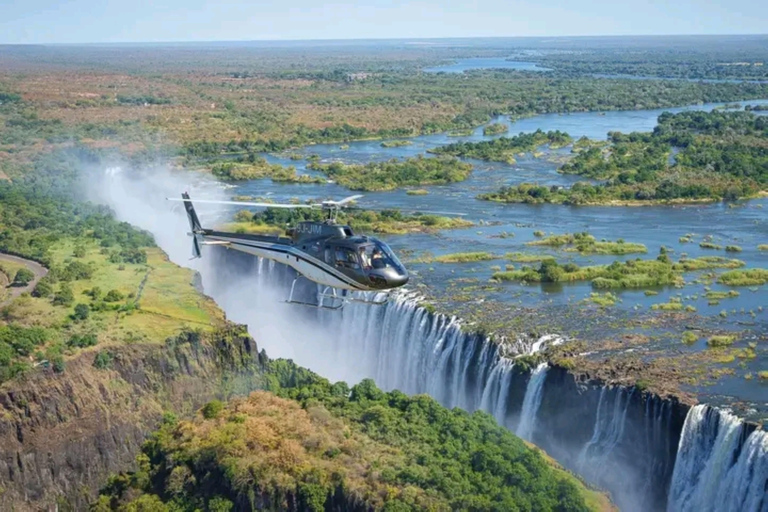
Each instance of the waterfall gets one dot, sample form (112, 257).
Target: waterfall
(720, 465)
(610, 421)
(532, 402)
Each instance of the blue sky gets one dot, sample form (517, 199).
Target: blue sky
(79, 21)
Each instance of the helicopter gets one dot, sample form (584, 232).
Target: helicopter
(324, 252)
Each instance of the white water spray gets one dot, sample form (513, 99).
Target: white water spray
(531, 402)
(716, 468)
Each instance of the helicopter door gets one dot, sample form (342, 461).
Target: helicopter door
(346, 258)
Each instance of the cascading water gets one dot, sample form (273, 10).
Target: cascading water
(532, 402)
(720, 465)
(403, 346)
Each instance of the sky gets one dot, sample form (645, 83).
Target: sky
(94, 21)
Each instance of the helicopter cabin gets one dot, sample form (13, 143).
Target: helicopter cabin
(311, 230)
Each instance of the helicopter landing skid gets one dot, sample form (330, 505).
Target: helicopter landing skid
(336, 302)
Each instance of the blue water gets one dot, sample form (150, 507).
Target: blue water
(744, 224)
(463, 65)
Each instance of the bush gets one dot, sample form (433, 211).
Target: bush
(58, 364)
(103, 360)
(113, 296)
(732, 248)
(43, 288)
(23, 277)
(81, 312)
(212, 409)
(82, 340)
(64, 297)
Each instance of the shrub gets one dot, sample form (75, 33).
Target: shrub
(690, 337)
(113, 296)
(103, 360)
(81, 312)
(212, 409)
(23, 277)
(43, 288)
(721, 341)
(732, 248)
(64, 297)
(82, 340)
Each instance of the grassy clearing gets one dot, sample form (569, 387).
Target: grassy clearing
(584, 243)
(116, 302)
(744, 277)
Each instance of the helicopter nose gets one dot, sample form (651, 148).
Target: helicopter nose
(397, 281)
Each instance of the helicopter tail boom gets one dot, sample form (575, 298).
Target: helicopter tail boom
(194, 225)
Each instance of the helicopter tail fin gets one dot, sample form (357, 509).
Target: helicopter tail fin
(194, 225)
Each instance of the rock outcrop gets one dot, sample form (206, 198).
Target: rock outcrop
(62, 435)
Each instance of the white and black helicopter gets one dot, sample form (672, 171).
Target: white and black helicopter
(325, 252)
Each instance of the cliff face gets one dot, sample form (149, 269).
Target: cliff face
(620, 438)
(62, 435)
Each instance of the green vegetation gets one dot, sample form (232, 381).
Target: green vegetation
(721, 155)
(495, 129)
(632, 274)
(253, 167)
(604, 300)
(690, 337)
(763, 375)
(744, 277)
(395, 173)
(721, 341)
(275, 220)
(318, 444)
(417, 192)
(762, 247)
(721, 295)
(585, 243)
(710, 245)
(504, 149)
(395, 143)
(732, 248)
(23, 277)
(464, 257)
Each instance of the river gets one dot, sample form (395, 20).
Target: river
(744, 224)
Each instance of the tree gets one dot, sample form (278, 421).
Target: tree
(64, 297)
(43, 288)
(81, 312)
(23, 277)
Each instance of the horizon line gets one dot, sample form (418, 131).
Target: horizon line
(351, 39)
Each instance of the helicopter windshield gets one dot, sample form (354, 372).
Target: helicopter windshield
(378, 255)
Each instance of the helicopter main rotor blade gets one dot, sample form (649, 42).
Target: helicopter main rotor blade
(346, 200)
(408, 210)
(245, 203)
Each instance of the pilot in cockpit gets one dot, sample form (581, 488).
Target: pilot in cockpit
(377, 259)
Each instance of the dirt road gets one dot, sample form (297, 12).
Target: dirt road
(14, 291)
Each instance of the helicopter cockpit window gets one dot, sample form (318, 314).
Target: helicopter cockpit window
(346, 258)
(379, 256)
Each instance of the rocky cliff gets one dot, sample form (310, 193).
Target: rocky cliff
(62, 435)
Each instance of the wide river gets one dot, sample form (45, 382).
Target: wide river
(744, 224)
